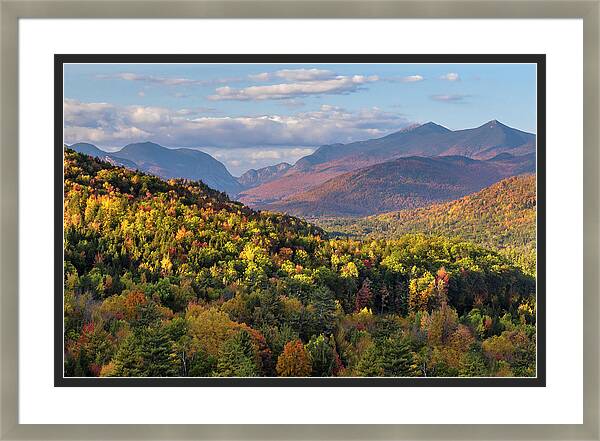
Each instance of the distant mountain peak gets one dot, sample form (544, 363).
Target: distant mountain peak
(430, 127)
(282, 164)
(255, 177)
(143, 145)
(84, 144)
(493, 123)
(426, 128)
(431, 124)
(169, 163)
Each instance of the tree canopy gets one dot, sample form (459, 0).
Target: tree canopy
(171, 278)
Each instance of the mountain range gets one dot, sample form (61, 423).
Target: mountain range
(414, 167)
(402, 183)
(484, 142)
(92, 150)
(430, 139)
(168, 163)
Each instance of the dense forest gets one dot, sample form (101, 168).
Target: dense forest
(501, 216)
(172, 278)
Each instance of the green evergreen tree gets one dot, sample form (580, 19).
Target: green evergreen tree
(371, 363)
(237, 357)
(147, 353)
(323, 312)
(321, 355)
(390, 357)
(128, 360)
(473, 365)
(158, 354)
(202, 365)
(397, 358)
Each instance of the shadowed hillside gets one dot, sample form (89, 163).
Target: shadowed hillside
(402, 184)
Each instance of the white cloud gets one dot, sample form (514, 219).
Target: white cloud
(108, 124)
(266, 154)
(240, 160)
(264, 76)
(166, 81)
(304, 74)
(450, 76)
(294, 75)
(337, 85)
(407, 79)
(452, 98)
(195, 111)
(412, 79)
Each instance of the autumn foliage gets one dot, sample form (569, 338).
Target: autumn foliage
(294, 361)
(172, 278)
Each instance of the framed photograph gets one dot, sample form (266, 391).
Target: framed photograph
(352, 251)
(223, 222)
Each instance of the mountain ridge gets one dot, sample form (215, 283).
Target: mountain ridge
(423, 137)
(403, 183)
(92, 150)
(169, 163)
(429, 139)
(254, 177)
(500, 215)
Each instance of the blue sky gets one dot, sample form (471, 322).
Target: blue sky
(252, 115)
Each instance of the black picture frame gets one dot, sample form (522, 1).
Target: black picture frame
(538, 381)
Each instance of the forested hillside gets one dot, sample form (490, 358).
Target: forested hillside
(167, 163)
(401, 184)
(502, 216)
(171, 278)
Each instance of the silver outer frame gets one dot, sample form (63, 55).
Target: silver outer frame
(12, 10)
